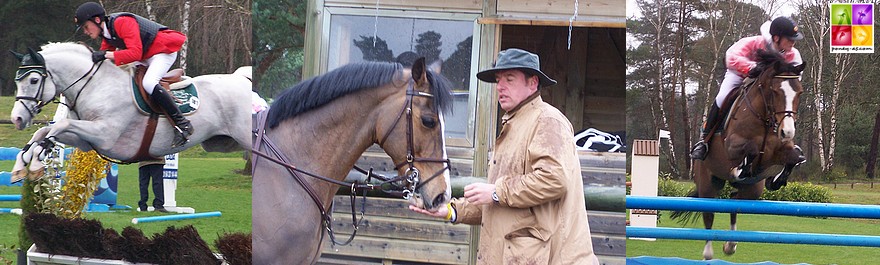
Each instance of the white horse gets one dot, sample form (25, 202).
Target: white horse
(103, 115)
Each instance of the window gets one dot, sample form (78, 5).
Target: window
(447, 41)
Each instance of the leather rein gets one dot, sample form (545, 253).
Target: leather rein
(411, 177)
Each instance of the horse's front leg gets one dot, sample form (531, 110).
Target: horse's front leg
(738, 150)
(27, 162)
(85, 135)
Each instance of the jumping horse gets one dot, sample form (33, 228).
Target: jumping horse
(314, 133)
(756, 148)
(103, 115)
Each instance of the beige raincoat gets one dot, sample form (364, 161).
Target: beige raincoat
(541, 215)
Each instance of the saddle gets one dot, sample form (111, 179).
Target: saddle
(146, 106)
(173, 76)
(731, 100)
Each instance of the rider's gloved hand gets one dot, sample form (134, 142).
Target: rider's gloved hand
(756, 70)
(98, 56)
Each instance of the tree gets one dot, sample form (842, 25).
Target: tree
(278, 35)
(429, 46)
(374, 51)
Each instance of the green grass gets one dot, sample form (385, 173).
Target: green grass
(208, 182)
(782, 253)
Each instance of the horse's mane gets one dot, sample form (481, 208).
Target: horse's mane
(774, 60)
(66, 47)
(320, 90)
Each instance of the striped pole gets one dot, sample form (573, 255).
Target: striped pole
(754, 236)
(10, 198)
(174, 217)
(753, 207)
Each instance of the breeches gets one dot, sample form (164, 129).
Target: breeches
(157, 66)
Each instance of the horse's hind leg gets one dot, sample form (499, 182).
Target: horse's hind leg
(745, 192)
(709, 190)
(729, 247)
(708, 219)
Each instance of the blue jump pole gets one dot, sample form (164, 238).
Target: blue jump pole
(753, 207)
(753, 236)
(10, 198)
(174, 217)
(10, 210)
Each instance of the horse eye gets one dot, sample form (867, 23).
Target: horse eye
(34, 81)
(429, 122)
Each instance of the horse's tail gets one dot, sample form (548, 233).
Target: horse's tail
(685, 217)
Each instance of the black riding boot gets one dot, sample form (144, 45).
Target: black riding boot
(701, 148)
(183, 127)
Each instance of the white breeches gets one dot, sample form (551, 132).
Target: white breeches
(731, 81)
(157, 66)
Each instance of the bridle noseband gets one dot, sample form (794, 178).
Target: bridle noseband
(411, 176)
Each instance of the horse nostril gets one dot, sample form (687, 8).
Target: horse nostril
(439, 199)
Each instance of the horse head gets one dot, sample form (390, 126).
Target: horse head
(782, 94)
(414, 137)
(34, 85)
(41, 73)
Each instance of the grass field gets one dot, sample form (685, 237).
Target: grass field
(207, 182)
(782, 253)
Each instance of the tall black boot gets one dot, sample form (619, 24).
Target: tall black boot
(701, 148)
(184, 128)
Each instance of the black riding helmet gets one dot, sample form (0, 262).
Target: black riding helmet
(87, 11)
(785, 27)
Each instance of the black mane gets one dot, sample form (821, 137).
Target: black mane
(317, 91)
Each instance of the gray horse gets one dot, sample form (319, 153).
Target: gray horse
(103, 115)
(323, 125)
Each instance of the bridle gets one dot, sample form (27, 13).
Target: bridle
(40, 68)
(770, 112)
(411, 177)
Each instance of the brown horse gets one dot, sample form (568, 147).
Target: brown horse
(322, 126)
(756, 146)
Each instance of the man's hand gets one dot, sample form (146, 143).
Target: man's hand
(439, 213)
(479, 193)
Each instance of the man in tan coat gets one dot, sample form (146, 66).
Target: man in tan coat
(532, 211)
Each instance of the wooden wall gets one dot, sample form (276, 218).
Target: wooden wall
(591, 74)
(392, 234)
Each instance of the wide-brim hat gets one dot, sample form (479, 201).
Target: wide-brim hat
(516, 59)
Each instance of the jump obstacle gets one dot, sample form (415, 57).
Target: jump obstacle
(174, 217)
(754, 207)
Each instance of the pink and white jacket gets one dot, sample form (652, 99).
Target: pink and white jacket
(741, 56)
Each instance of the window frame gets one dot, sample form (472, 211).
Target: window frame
(324, 44)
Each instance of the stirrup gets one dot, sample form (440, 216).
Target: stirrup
(181, 137)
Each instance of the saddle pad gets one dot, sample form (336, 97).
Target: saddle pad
(187, 99)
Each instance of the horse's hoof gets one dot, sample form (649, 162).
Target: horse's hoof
(36, 174)
(18, 175)
(729, 248)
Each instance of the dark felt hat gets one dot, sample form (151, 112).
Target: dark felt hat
(516, 59)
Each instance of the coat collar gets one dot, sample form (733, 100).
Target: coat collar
(526, 104)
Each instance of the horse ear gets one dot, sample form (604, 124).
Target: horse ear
(38, 59)
(19, 56)
(418, 72)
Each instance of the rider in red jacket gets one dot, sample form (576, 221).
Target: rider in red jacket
(779, 35)
(128, 38)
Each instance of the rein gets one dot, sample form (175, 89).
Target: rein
(411, 176)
